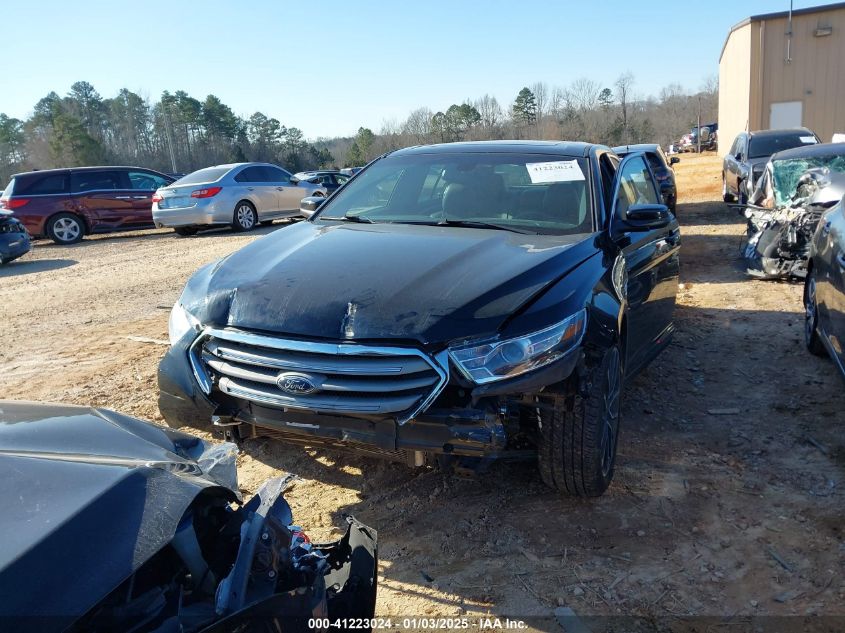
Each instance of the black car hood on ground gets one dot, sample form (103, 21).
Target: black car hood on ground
(110, 523)
(89, 496)
(376, 281)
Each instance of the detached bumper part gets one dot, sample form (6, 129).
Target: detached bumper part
(279, 583)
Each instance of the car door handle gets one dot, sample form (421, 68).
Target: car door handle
(250, 188)
(280, 188)
(826, 227)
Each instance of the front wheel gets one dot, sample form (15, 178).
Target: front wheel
(578, 433)
(811, 317)
(245, 217)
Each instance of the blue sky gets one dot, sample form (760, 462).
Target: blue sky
(328, 67)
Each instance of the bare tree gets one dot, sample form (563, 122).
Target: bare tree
(418, 126)
(490, 110)
(584, 94)
(623, 95)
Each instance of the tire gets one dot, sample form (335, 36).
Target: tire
(185, 231)
(811, 317)
(726, 196)
(65, 228)
(578, 434)
(244, 217)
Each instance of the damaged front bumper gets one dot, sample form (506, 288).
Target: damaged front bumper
(481, 426)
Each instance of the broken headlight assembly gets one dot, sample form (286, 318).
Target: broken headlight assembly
(181, 322)
(489, 361)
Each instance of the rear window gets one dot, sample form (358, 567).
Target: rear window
(209, 174)
(39, 185)
(762, 146)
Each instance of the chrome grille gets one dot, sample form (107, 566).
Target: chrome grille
(342, 378)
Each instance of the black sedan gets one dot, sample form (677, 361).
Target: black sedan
(14, 240)
(661, 167)
(114, 524)
(451, 304)
(824, 289)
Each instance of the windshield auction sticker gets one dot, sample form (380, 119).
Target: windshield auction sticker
(555, 171)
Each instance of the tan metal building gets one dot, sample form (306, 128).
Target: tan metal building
(781, 72)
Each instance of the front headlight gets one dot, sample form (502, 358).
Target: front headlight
(181, 322)
(497, 360)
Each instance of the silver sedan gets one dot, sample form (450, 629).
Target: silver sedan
(240, 195)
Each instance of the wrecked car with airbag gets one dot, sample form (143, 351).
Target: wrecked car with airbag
(796, 189)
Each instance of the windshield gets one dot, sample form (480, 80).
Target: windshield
(532, 193)
(762, 146)
(785, 173)
(209, 174)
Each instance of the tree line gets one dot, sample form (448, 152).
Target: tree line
(179, 133)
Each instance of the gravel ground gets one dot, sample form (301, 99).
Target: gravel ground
(728, 496)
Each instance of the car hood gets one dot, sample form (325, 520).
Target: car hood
(374, 281)
(88, 496)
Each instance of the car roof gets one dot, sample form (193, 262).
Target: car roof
(65, 170)
(637, 147)
(784, 132)
(564, 148)
(809, 151)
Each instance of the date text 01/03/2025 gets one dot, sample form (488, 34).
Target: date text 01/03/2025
(482, 623)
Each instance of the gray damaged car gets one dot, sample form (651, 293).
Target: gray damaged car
(796, 189)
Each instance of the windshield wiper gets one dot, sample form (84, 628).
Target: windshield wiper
(476, 224)
(354, 218)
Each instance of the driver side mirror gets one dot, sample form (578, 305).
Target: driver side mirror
(644, 217)
(294, 180)
(310, 205)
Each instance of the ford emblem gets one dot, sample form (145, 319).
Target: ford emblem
(296, 384)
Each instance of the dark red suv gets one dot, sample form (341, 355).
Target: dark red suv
(66, 204)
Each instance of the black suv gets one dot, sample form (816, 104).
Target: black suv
(451, 303)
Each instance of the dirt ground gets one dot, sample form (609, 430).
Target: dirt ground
(728, 496)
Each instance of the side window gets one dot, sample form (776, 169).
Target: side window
(734, 147)
(433, 185)
(146, 181)
(275, 174)
(608, 174)
(635, 185)
(250, 174)
(47, 185)
(653, 161)
(82, 181)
